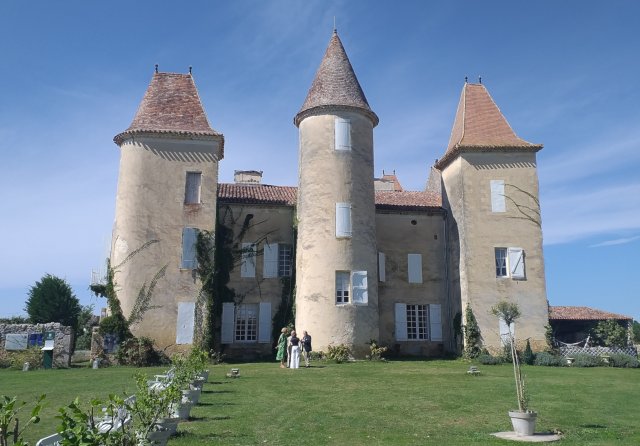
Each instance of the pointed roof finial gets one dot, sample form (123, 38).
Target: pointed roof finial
(156, 68)
(466, 79)
(335, 30)
(479, 79)
(190, 68)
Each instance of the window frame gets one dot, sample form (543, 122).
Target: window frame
(343, 287)
(418, 318)
(285, 260)
(195, 189)
(247, 315)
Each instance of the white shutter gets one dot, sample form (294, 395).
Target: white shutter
(228, 321)
(504, 331)
(248, 265)
(497, 196)
(342, 134)
(359, 287)
(270, 265)
(189, 238)
(435, 321)
(401, 322)
(264, 322)
(415, 268)
(516, 263)
(185, 323)
(343, 219)
(382, 277)
(192, 188)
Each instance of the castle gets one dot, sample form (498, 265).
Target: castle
(362, 258)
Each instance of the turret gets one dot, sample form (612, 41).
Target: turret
(490, 188)
(167, 188)
(336, 261)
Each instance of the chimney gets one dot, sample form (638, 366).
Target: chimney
(247, 176)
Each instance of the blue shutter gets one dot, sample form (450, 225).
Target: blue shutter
(342, 134)
(382, 276)
(189, 238)
(415, 268)
(264, 322)
(359, 287)
(270, 261)
(228, 321)
(497, 196)
(401, 322)
(343, 219)
(435, 322)
(185, 322)
(516, 263)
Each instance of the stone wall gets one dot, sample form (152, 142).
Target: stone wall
(63, 342)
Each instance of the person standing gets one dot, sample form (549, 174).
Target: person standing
(294, 362)
(289, 347)
(282, 347)
(306, 347)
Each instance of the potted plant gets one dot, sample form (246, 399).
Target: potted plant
(523, 419)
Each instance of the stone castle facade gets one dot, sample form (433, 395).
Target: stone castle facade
(362, 258)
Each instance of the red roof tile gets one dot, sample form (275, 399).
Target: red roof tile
(335, 84)
(286, 196)
(480, 126)
(582, 314)
(171, 104)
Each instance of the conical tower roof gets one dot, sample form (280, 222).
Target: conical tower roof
(480, 126)
(335, 85)
(170, 105)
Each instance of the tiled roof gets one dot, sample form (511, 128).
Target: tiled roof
(170, 105)
(335, 85)
(286, 196)
(480, 126)
(582, 314)
(257, 194)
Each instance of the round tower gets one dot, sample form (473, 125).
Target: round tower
(167, 187)
(336, 259)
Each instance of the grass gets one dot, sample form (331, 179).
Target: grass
(370, 403)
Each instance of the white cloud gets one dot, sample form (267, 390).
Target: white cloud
(618, 241)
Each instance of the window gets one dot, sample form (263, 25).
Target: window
(192, 188)
(497, 196)
(246, 324)
(342, 134)
(277, 260)
(418, 322)
(284, 260)
(414, 262)
(185, 322)
(342, 287)
(189, 239)
(248, 261)
(510, 263)
(343, 219)
(382, 276)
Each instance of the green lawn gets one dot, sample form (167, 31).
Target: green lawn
(394, 403)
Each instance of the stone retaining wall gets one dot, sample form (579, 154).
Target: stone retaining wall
(63, 341)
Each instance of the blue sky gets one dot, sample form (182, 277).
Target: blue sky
(563, 73)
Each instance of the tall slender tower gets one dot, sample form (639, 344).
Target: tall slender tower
(490, 187)
(336, 261)
(167, 189)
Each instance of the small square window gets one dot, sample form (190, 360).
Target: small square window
(343, 285)
(501, 262)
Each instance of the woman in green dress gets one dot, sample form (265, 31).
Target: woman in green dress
(282, 347)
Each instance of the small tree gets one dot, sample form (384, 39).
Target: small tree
(509, 312)
(472, 336)
(52, 300)
(610, 334)
(636, 332)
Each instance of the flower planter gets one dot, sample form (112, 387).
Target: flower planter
(192, 395)
(182, 410)
(170, 424)
(524, 423)
(156, 438)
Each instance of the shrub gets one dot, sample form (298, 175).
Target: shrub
(5, 359)
(376, 352)
(339, 353)
(487, 359)
(610, 334)
(547, 359)
(625, 361)
(472, 336)
(583, 360)
(317, 356)
(52, 300)
(527, 356)
(140, 352)
(32, 355)
(115, 324)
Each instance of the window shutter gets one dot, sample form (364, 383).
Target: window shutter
(185, 323)
(189, 238)
(516, 263)
(192, 188)
(497, 196)
(343, 219)
(382, 277)
(248, 265)
(415, 268)
(342, 134)
(435, 322)
(359, 287)
(401, 322)
(270, 264)
(264, 323)
(228, 319)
